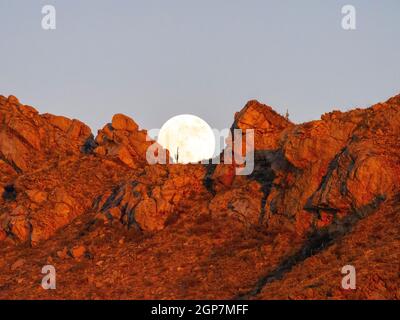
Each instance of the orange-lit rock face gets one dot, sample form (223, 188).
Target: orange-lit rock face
(154, 197)
(322, 195)
(268, 125)
(29, 140)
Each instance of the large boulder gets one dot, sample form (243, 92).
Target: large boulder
(123, 141)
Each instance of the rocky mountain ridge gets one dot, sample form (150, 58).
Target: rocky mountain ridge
(89, 204)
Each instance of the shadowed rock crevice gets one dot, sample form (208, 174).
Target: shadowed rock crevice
(9, 194)
(316, 242)
(263, 174)
(208, 178)
(89, 145)
(10, 163)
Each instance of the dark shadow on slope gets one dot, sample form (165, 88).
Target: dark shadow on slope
(317, 241)
(9, 194)
(208, 180)
(264, 175)
(89, 145)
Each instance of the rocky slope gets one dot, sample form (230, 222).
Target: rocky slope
(322, 195)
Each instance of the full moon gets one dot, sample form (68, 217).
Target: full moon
(188, 138)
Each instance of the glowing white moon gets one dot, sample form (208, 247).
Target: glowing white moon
(188, 138)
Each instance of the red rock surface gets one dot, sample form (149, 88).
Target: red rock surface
(322, 195)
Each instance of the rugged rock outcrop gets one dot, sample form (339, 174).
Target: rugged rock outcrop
(268, 125)
(321, 194)
(121, 139)
(52, 168)
(157, 195)
(30, 141)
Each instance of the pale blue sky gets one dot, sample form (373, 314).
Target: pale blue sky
(155, 59)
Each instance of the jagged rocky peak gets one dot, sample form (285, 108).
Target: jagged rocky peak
(268, 125)
(123, 122)
(30, 140)
(260, 116)
(122, 140)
